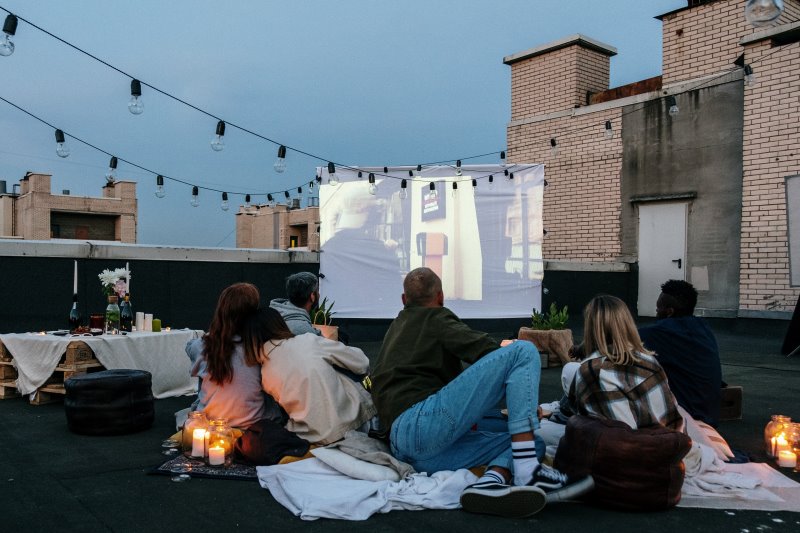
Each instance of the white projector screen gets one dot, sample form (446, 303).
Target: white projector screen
(485, 242)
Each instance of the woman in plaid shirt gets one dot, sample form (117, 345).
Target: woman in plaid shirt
(620, 380)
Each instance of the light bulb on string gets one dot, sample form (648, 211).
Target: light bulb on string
(458, 167)
(385, 170)
(225, 205)
(195, 196)
(553, 147)
(511, 177)
(373, 188)
(280, 163)
(433, 194)
(455, 190)
(491, 182)
(360, 174)
(218, 142)
(286, 195)
(419, 170)
(333, 179)
(609, 130)
(672, 104)
(299, 193)
(505, 172)
(160, 187)
(135, 105)
(62, 150)
(247, 201)
(749, 75)
(270, 200)
(503, 157)
(762, 12)
(475, 187)
(9, 30)
(111, 173)
(403, 190)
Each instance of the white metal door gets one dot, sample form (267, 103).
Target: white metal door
(662, 250)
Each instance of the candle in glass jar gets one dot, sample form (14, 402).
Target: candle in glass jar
(198, 442)
(216, 455)
(780, 444)
(787, 459)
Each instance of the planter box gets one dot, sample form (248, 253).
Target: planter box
(554, 342)
(329, 332)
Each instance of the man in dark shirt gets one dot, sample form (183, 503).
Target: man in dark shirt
(432, 407)
(687, 351)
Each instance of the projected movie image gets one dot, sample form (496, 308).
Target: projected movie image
(484, 241)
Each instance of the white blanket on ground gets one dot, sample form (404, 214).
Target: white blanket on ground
(310, 489)
(161, 354)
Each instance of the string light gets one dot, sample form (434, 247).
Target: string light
(9, 30)
(225, 205)
(280, 163)
(403, 190)
(475, 187)
(762, 12)
(672, 104)
(455, 189)
(136, 106)
(609, 130)
(299, 193)
(247, 201)
(61, 148)
(505, 172)
(160, 187)
(286, 195)
(111, 173)
(503, 157)
(491, 182)
(511, 177)
(333, 179)
(373, 188)
(270, 200)
(385, 170)
(360, 174)
(749, 75)
(458, 167)
(195, 196)
(218, 142)
(553, 147)
(419, 170)
(433, 193)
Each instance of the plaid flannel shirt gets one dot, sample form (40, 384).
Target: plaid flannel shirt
(637, 394)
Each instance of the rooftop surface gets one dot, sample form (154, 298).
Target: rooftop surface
(51, 479)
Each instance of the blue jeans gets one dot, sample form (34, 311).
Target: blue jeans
(436, 433)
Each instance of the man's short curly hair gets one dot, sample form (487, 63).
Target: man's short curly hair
(679, 295)
(300, 287)
(421, 286)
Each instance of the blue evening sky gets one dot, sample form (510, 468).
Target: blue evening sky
(356, 81)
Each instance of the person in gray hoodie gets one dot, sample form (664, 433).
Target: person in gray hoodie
(302, 291)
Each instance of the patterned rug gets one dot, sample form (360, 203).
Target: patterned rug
(181, 464)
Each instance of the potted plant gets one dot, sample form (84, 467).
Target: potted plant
(321, 320)
(550, 334)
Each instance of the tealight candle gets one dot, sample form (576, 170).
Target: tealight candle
(198, 442)
(787, 459)
(167, 328)
(779, 444)
(216, 455)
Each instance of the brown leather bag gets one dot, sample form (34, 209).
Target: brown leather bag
(637, 470)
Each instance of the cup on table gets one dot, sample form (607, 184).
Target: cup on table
(97, 321)
(156, 324)
(139, 321)
(148, 321)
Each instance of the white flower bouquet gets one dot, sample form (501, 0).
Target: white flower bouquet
(115, 281)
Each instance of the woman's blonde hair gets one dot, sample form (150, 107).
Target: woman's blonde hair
(608, 328)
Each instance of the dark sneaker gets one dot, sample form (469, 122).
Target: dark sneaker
(503, 500)
(557, 486)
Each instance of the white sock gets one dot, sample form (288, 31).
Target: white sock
(525, 461)
(490, 477)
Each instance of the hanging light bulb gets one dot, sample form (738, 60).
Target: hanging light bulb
(225, 205)
(419, 170)
(503, 157)
(475, 187)
(762, 12)
(609, 130)
(360, 174)
(433, 193)
(270, 200)
(247, 201)
(458, 167)
(136, 106)
(373, 188)
(111, 173)
(299, 193)
(61, 148)
(553, 147)
(286, 195)
(218, 142)
(9, 29)
(403, 190)
(333, 179)
(491, 182)
(749, 75)
(385, 170)
(455, 189)
(511, 177)
(505, 172)
(310, 187)
(672, 103)
(280, 163)
(195, 196)
(160, 187)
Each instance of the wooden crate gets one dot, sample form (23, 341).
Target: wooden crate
(8, 389)
(78, 352)
(7, 371)
(5, 355)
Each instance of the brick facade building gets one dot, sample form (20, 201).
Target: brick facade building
(281, 227)
(37, 214)
(723, 159)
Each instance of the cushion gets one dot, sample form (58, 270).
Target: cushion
(702, 433)
(355, 468)
(632, 469)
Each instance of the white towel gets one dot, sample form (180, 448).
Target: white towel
(311, 489)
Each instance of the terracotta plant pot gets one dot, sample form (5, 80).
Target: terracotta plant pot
(555, 342)
(329, 332)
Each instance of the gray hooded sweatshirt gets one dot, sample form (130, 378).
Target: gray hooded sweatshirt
(297, 318)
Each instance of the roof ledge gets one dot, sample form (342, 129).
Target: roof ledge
(784, 32)
(576, 39)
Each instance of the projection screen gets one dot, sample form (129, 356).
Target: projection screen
(484, 241)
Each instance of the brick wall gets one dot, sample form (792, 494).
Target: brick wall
(582, 199)
(704, 40)
(771, 152)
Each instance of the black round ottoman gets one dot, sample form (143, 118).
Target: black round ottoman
(111, 402)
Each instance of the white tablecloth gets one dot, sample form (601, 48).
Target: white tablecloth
(162, 354)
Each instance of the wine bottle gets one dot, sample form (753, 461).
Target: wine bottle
(126, 315)
(112, 317)
(74, 314)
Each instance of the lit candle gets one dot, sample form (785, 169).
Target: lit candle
(75, 279)
(781, 444)
(198, 442)
(127, 278)
(216, 455)
(786, 459)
